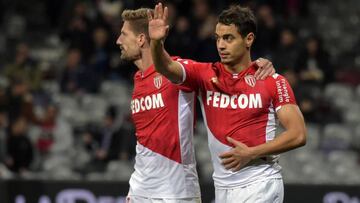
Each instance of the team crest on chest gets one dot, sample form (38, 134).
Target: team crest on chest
(158, 81)
(250, 80)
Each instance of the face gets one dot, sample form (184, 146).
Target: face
(312, 46)
(128, 42)
(230, 44)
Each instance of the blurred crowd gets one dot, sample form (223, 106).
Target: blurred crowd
(64, 92)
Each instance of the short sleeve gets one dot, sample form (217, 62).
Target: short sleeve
(191, 76)
(280, 91)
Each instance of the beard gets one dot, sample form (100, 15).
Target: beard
(130, 58)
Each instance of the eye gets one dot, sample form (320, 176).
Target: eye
(228, 38)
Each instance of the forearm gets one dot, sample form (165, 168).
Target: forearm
(288, 140)
(164, 63)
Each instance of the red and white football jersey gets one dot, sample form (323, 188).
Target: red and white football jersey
(163, 115)
(241, 107)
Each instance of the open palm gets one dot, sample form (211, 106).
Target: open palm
(158, 27)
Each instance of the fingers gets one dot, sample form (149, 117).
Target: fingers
(156, 11)
(150, 15)
(231, 165)
(226, 155)
(226, 161)
(235, 142)
(263, 72)
(160, 12)
(267, 71)
(166, 13)
(237, 167)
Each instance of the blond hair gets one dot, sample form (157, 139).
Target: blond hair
(138, 20)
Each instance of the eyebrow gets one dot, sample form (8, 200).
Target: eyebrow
(224, 36)
(228, 35)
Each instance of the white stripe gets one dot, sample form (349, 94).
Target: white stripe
(186, 126)
(278, 108)
(271, 124)
(157, 176)
(184, 73)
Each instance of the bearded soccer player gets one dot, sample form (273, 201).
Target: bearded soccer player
(165, 167)
(240, 111)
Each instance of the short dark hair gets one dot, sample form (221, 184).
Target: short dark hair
(242, 17)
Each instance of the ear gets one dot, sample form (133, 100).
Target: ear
(141, 40)
(249, 39)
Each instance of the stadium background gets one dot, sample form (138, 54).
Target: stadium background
(65, 127)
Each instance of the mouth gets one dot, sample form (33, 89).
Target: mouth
(224, 55)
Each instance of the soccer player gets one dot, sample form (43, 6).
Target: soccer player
(240, 111)
(165, 167)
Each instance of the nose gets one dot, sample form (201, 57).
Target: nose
(220, 44)
(118, 41)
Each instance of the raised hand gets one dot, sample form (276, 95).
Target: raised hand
(158, 27)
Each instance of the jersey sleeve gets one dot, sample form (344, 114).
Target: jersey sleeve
(191, 76)
(280, 90)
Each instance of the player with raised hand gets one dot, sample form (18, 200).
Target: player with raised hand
(163, 114)
(240, 111)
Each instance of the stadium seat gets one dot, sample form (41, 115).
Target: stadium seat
(336, 136)
(344, 166)
(313, 136)
(356, 137)
(334, 90)
(119, 170)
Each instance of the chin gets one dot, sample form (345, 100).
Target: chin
(225, 61)
(124, 57)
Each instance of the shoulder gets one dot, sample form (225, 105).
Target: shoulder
(190, 62)
(275, 77)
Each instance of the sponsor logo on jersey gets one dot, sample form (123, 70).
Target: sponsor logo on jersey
(214, 80)
(242, 101)
(250, 80)
(282, 90)
(158, 81)
(149, 102)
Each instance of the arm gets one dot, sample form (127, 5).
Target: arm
(294, 136)
(158, 29)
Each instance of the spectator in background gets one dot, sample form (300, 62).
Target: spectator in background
(181, 39)
(314, 108)
(107, 143)
(18, 102)
(57, 135)
(287, 51)
(19, 147)
(24, 67)
(71, 77)
(100, 56)
(75, 77)
(78, 28)
(268, 32)
(312, 65)
(204, 23)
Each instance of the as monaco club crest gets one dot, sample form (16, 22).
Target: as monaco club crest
(158, 81)
(250, 80)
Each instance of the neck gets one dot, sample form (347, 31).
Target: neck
(145, 61)
(239, 65)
